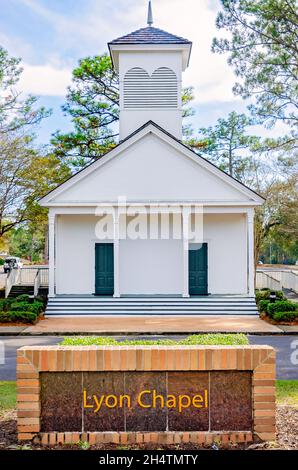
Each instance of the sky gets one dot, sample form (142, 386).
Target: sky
(52, 35)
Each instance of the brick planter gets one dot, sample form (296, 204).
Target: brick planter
(239, 382)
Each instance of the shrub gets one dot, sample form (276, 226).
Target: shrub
(264, 294)
(263, 304)
(285, 316)
(35, 307)
(281, 306)
(16, 316)
(22, 298)
(5, 304)
(209, 339)
(280, 295)
(1, 261)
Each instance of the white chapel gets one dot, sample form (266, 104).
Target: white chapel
(151, 227)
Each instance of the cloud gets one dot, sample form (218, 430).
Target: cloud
(44, 80)
(93, 22)
(86, 29)
(209, 73)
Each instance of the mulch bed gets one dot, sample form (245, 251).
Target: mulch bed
(287, 436)
(268, 319)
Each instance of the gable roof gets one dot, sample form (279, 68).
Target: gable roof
(150, 35)
(146, 128)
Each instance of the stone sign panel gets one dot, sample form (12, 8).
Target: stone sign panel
(146, 401)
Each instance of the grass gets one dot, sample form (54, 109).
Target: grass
(287, 392)
(8, 391)
(204, 339)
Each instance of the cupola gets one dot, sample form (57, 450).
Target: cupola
(150, 63)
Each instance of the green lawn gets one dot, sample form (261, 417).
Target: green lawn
(8, 391)
(287, 394)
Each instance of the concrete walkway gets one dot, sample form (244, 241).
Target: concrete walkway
(152, 325)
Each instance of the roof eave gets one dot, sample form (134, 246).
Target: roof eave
(114, 50)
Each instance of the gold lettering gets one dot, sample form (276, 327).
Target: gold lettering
(140, 396)
(197, 401)
(206, 398)
(121, 401)
(158, 397)
(85, 400)
(114, 401)
(182, 404)
(171, 401)
(98, 402)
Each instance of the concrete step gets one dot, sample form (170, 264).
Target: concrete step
(161, 306)
(93, 299)
(20, 290)
(92, 306)
(142, 313)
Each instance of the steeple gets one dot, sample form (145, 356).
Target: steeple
(150, 63)
(150, 16)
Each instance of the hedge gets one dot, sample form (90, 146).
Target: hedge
(16, 316)
(20, 309)
(35, 307)
(263, 305)
(281, 306)
(285, 316)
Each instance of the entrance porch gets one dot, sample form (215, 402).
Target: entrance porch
(153, 250)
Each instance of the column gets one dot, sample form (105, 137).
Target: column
(51, 254)
(185, 226)
(250, 253)
(116, 253)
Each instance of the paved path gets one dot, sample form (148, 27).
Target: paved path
(12, 343)
(153, 324)
(285, 368)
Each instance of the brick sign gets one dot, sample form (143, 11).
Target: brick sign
(163, 394)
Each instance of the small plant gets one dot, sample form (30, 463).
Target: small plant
(25, 447)
(83, 445)
(281, 306)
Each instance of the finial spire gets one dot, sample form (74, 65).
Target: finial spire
(150, 16)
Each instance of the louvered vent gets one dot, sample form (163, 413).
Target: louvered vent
(157, 91)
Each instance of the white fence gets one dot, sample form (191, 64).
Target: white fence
(11, 280)
(264, 280)
(283, 278)
(37, 276)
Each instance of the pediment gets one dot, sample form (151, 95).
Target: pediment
(151, 167)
